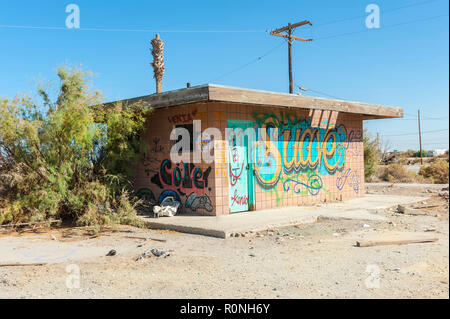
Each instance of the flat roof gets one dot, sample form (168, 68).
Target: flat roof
(220, 93)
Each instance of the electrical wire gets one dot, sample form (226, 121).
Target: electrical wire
(126, 30)
(382, 11)
(425, 132)
(248, 63)
(383, 28)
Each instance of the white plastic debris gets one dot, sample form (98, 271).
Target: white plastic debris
(169, 207)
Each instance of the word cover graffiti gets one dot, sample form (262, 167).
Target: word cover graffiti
(183, 177)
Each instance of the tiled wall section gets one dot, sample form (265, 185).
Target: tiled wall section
(203, 188)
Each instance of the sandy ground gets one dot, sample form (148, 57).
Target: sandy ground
(318, 260)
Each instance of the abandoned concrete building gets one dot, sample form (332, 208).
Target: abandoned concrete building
(316, 155)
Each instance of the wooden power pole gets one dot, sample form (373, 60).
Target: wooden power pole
(289, 28)
(420, 139)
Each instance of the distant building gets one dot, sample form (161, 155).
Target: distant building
(437, 152)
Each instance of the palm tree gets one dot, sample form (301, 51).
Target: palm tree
(158, 61)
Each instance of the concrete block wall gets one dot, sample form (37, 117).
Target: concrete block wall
(204, 188)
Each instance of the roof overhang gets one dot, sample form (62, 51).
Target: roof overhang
(219, 93)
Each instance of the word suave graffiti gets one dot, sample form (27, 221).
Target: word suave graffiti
(292, 146)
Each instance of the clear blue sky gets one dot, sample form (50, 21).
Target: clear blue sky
(404, 63)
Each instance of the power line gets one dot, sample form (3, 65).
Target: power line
(414, 117)
(248, 63)
(382, 11)
(383, 28)
(344, 34)
(318, 92)
(126, 30)
(405, 134)
(194, 31)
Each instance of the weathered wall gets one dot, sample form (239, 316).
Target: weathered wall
(157, 177)
(287, 171)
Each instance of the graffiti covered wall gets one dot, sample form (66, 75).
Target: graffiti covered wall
(157, 177)
(308, 157)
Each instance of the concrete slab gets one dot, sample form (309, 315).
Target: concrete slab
(224, 226)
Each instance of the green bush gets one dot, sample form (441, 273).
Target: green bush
(417, 154)
(68, 158)
(371, 155)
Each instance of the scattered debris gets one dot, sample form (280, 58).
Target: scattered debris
(32, 224)
(145, 238)
(111, 253)
(159, 253)
(425, 206)
(153, 252)
(384, 242)
(410, 211)
(23, 265)
(144, 255)
(133, 237)
(169, 208)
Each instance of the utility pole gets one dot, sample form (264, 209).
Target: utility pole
(289, 28)
(420, 139)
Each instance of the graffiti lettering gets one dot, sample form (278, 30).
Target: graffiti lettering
(183, 177)
(352, 176)
(198, 201)
(182, 118)
(236, 167)
(239, 200)
(296, 147)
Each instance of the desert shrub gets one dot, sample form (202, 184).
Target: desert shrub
(371, 155)
(395, 173)
(409, 153)
(443, 157)
(68, 158)
(415, 161)
(436, 172)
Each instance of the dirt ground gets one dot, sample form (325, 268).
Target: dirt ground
(318, 260)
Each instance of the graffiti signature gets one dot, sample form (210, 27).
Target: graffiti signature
(352, 176)
(239, 200)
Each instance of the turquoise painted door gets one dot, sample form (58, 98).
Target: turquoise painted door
(238, 179)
